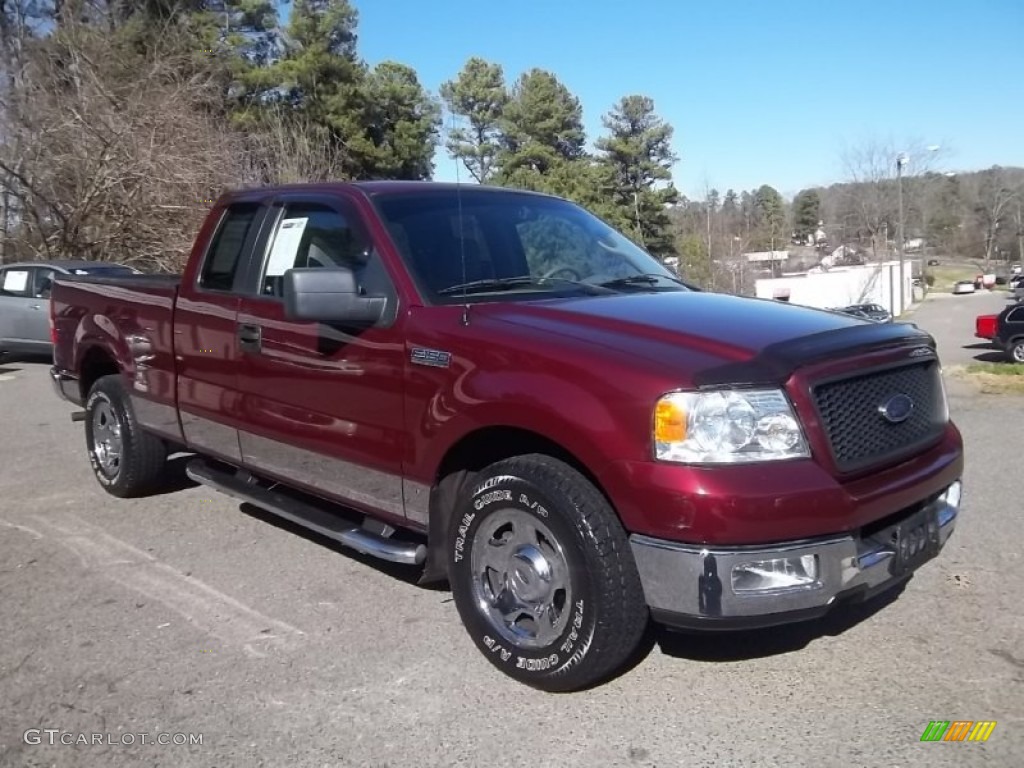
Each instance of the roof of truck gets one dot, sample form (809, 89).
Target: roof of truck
(375, 187)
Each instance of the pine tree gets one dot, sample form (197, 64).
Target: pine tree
(638, 149)
(479, 96)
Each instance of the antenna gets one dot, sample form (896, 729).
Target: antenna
(462, 240)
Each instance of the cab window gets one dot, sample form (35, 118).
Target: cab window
(225, 252)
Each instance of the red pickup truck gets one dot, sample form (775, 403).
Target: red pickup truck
(496, 387)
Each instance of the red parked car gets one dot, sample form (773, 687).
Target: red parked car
(498, 388)
(985, 326)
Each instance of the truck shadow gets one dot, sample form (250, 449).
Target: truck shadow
(744, 645)
(175, 479)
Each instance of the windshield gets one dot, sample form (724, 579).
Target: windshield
(480, 245)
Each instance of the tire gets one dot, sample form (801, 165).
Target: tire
(126, 460)
(534, 538)
(1016, 351)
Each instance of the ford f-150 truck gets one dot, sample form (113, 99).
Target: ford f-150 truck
(500, 389)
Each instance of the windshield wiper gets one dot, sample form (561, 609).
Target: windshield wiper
(507, 283)
(648, 278)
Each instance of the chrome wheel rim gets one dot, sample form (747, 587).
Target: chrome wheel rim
(107, 443)
(1018, 353)
(521, 580)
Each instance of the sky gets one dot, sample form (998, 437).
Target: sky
(757, 92)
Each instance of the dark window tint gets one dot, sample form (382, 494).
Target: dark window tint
(43, 283)
(311, 235)
(1016, 316)
(224, 255)
(538, 245)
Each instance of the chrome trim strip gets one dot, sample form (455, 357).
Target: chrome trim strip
(341, 479)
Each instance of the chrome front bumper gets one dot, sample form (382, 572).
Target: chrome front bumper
(688, 585)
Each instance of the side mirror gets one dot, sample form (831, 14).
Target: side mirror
(329, 295)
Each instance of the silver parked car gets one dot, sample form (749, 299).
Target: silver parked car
(25, 301)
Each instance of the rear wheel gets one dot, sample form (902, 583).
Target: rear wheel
(126, 460)
(1017, 350)
(543, 576)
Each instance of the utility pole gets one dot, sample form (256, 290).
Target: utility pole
(901, 160)
(1020, 234)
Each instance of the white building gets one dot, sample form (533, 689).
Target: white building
(842, 286)
(766, 257)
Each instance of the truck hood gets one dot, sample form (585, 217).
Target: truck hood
(736, 339)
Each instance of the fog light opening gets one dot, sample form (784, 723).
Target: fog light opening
(776, 574)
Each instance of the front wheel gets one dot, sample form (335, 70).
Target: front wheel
(126, 460)
(543, 576)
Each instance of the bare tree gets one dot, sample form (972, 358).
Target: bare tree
(872, 195)
(997, 199)
(110, 154)
(287, 149)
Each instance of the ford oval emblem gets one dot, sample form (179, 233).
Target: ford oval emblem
(897, 408)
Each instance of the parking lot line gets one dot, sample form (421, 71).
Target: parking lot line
(209, 609)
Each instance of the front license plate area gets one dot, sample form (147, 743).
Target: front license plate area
(915, 541)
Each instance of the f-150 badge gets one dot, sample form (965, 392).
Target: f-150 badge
(432, 357)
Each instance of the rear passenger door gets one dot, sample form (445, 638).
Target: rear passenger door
(205, 336)
(323, 404)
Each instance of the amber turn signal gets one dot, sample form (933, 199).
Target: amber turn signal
(669, 422)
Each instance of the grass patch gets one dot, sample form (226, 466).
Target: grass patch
(996, 369)
(992, 378)
(947, 277)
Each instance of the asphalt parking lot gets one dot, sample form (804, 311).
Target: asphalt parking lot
(188, 614)
(950, 318)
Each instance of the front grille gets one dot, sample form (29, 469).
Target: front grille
(858, 432)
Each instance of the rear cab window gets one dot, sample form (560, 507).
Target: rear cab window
(224, 256)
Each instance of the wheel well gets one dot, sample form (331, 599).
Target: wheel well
(486, 446)
(95, 364)
(468, 456)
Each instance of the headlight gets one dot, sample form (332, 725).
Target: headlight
(727, 427)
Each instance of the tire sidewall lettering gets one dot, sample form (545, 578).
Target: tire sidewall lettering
(572, 644)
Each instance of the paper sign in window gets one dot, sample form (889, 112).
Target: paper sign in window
(286, 246)
(15, 282)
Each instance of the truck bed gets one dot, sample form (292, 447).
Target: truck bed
(133, 317)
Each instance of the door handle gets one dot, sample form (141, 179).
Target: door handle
(250, 337)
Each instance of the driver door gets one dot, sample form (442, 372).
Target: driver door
(323, 405)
